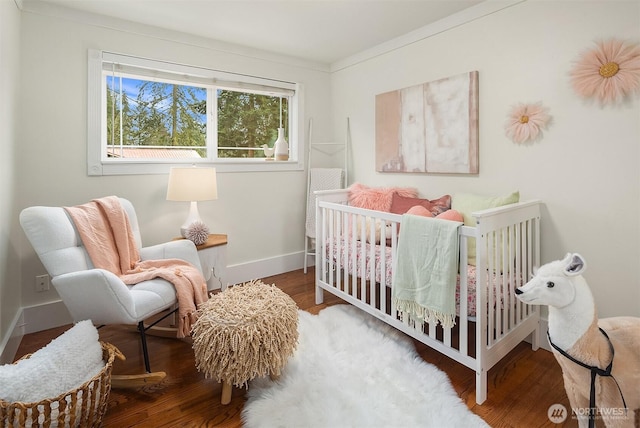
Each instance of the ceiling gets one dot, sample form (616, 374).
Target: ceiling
(322, 31)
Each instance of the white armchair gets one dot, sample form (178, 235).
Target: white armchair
(97, 294)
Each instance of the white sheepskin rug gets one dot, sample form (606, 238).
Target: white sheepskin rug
(352, 370)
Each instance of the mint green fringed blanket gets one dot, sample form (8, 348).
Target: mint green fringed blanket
(424, 278)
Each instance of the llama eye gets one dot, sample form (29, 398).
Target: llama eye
(550, 284)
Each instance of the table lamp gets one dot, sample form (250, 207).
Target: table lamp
(192, 184)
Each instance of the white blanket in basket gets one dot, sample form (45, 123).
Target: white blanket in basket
(63, 365)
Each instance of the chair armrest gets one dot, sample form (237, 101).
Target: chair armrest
(98, 295)
(182, 249)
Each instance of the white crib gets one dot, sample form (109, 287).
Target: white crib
(351, 265)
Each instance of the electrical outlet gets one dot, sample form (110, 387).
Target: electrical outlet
(42, 283)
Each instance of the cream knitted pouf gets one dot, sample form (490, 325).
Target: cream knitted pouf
(246, 331)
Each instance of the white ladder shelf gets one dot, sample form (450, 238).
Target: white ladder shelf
(329, 149)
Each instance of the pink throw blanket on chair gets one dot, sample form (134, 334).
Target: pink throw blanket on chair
(106, 233)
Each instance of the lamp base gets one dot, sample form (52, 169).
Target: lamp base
(193, 217)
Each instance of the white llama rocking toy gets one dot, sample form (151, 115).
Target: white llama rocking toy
(600, 359)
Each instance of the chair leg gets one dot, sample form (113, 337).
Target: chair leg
(145, 351)
(143, 337)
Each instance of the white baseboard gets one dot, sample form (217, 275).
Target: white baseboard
(45, 316)
(243, 272)
(10, 344)
(32, 319)
(542, 338)
(543, 343)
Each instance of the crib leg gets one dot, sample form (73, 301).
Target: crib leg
(319, 295)
(481, 386)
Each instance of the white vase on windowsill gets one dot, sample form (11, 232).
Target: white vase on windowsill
(281, 146)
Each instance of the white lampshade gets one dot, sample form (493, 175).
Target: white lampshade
(192, 184)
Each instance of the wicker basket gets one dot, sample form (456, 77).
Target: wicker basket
(82, 407)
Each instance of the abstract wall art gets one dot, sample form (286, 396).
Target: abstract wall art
(429, 128)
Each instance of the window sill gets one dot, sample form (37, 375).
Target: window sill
(144, 168)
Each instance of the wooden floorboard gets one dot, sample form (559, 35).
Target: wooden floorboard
(522, 386)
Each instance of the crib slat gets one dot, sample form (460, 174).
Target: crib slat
(382, 286)
(503, 300)
(511, 278)
(446, 337)
(344, 260)
(497, 290)
(323, 243)
(526, 263)
(363, 261)
(346, 270)
(463, 327)
(372, 265)
(354, 255)
(522, 270)
(518, 271)
(490, 287)
(338, 249)
(432, 330)
(390, 266)
(332, 242)
(363, 252)
(529, 260)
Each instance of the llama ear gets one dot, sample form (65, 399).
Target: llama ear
(576, 265)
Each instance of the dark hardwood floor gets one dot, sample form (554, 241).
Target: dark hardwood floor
(522, 386)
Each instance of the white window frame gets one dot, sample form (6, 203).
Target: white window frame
(99, 164)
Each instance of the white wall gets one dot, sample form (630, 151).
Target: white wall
(585, 169)
(10, 301)
(262, 213)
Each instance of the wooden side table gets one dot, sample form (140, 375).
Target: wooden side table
(213, 258)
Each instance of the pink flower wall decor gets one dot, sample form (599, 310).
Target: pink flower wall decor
(607, 72)
(525, 122)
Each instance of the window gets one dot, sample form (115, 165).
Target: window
(146, 115)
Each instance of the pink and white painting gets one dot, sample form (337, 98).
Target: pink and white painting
(432, 127)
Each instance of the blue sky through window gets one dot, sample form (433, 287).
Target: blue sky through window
(131, 87)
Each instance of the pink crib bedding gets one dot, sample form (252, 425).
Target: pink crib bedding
(355, 269)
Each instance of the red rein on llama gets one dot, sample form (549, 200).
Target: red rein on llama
(600, 358)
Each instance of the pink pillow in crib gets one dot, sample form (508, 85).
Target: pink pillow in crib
(419, 210)
(376, 198)
(452, 215)
(400, 204)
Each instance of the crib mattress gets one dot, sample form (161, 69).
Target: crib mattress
(363, 249)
